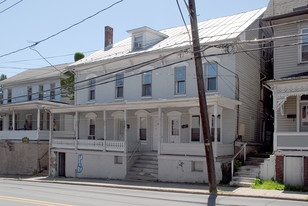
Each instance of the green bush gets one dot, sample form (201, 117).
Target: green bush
(273, 185)
(237, 164)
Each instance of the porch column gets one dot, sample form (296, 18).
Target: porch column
(125, 132)
(159, 130)
(105, 132)
(76, 128)
(275, 122)
(13, 120)
(215, 129)
(50, 139)
(38, 123)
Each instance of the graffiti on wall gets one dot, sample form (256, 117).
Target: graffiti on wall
(79, 164)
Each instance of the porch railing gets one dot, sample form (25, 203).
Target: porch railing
(243, 148)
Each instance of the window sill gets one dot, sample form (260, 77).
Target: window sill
(119, 100)
(180, 95)
(91, 101)
(146, 97)
(302, 62)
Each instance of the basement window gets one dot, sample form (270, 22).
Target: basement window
(118, 160)
(197, 166)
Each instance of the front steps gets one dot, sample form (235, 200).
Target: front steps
(145, 168)
(248, 173)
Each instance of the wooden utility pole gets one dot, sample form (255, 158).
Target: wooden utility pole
(202, 99)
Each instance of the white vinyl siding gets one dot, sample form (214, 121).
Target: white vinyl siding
(285, 124)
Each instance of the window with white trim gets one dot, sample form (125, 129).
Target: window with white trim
(41, 92)
(218, 128)
(138, 42)
(52, 91)
(180, 80)
(304, 46)
(119, 85)
(195, 128)
(147, 84)
(29, 90)
(143, 128)
(92, 129)
(211, 76)
(92, 89)
(9, 96)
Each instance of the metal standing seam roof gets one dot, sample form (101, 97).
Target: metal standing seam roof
(218, 29)
(35, 74)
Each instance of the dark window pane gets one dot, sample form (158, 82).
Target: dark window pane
(92, 130)
(195, 134)
(119, 92)
(146, 90)
(175, 128)
(143, 133)
(119, 80)
(181, 87)
(211, 84)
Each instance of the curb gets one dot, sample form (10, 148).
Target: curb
(178, 190)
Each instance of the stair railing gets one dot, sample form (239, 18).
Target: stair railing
(243, 148)
(137, 146)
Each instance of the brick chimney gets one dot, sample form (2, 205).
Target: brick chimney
(108, 37)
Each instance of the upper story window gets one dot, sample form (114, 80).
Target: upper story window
(9, 96)
(41, 92)
(92, 89)
(211, 76)
(147, 84)
(304, 46)
(29, 93)
(119, 85)
(180, 80)
(52, 91)
(138, 42)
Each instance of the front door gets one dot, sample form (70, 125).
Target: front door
(304, 117)
(174, 129)
(61, 165)
(155, 133)
(121, 129)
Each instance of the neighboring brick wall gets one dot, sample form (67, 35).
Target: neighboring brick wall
(306, 171)
(279, 168)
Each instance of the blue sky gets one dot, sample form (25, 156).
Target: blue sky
(34, 20)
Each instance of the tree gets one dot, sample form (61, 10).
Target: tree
(2, 77)
(78, 56)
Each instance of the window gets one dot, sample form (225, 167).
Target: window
(138, 42)
(29, 93)
(92, 89)
(304, 46)
(196, 166)
(42, 122)
(92, 129)
(213, 128)
(41, 92)
(175, 127)
(195, 128)
(143, 128)
(119, 85)
(180, 78)
(52, 91)
(147, 84)
(211, 76)
(9, 96)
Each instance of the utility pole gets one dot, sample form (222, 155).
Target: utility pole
(202, 99)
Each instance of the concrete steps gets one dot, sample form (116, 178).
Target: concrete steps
(248, 173)
(145, 168)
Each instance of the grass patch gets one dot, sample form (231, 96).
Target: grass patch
(273, 185)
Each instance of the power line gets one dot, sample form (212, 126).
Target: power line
(63, 30)
(3, 1)
(188, 33)
(9, 6)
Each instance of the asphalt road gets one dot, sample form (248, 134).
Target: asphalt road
(20, 193)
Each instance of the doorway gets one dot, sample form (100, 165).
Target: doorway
(61, 165)
(155, 133)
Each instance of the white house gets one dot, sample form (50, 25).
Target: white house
(25, 117)
(290, 91)
(136, 111)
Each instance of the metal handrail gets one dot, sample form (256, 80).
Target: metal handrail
(239, 152)
(134, 151)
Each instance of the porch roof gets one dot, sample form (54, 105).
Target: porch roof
(150, 104)
(286, 87)
(40, 104)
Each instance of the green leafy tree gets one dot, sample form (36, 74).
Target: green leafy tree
(78, 56)
(2, 77)
(67, 85)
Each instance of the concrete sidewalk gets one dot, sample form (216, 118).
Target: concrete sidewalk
(168, 187)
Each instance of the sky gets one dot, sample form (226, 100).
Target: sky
(30, 21)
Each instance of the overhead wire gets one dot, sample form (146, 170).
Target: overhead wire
(10, 6)
(2, 2)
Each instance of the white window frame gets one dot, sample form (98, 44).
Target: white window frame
(138, 42)
(92, 89)
(117, 116)
(119, 86)
(219, 112)
(176, 86)
(142, 114)
(41, 92)
(195, 111)
(89, 117)
(29, 93)
(206, 78)
(92, 86)
(301, 45)
(9, 96)
(146, 84)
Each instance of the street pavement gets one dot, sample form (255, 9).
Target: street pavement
(167, 187)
